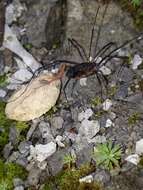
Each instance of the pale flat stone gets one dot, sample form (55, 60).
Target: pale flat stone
(137, 60)
(42, 151)
(133, 158)
(107, 104)
(139, 147)
(34, 100)
(86, 179)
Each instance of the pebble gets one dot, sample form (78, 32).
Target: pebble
(112, 115)
(2, 93)
(105, 70)
(85, 114)
(89, 128)
(19, 188)
(133, 158)
(98, 139)
(24, 147)
(83, 82)
(109, 123)
(137, 60)
(7, 150)
(57, 122)
(102, 176)
(59, 140)
(45, 130)
(139, 147)
(18, 182)
(42, 151)
(22, 75)
(86, 179)
(33, 176)
(1, 63)
(107, 104)
(13, 134)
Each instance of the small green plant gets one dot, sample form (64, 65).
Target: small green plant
(3, 185)
(134, 118)
(69, 179)
(5, 125)
(69, 160)
(96, 101)
(112, 91)
(9, 171)
(52, 111)
(3, 80)
(107, 155)
(136, 2)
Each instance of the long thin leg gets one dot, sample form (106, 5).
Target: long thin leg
(104, 49)
(74, 84)
(34, 74)
(108, 57)
(104, 80)
(99, 31)
(104, 77)
(92, 33)
(81, 51)
(82, 48)
(64, 88)
(100, 83)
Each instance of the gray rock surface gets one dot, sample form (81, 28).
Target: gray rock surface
(33, 177)
(7, 150)
(102, 177)
(1, 63)
(19, 188)
(57, 122)
(13, 135)
(18, 182)
(24, 147)
(45, 18)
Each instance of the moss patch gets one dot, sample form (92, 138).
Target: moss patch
(69, 180)
(5, 125)
(135, 11)
(8, 172)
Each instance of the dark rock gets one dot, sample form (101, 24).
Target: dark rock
(126, 75)
(7, 150)
(122, 92)
(45, 131)
(56, 161)
(33, 177)
(24, 147)
(55, 24)
(2, 64)
(19, 188)
(18, 182)
(14, 156)
(57, 122)
(13, 135)
(21, 160)
(102, 176)
(46, 19)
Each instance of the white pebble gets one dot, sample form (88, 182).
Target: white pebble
(133, 158)
(107, 104)
(59, 141)
(83, 82)
(86, 179)
(85, 114)
(109, 123)
(139, 147)
(2, 93)
(137, 60)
